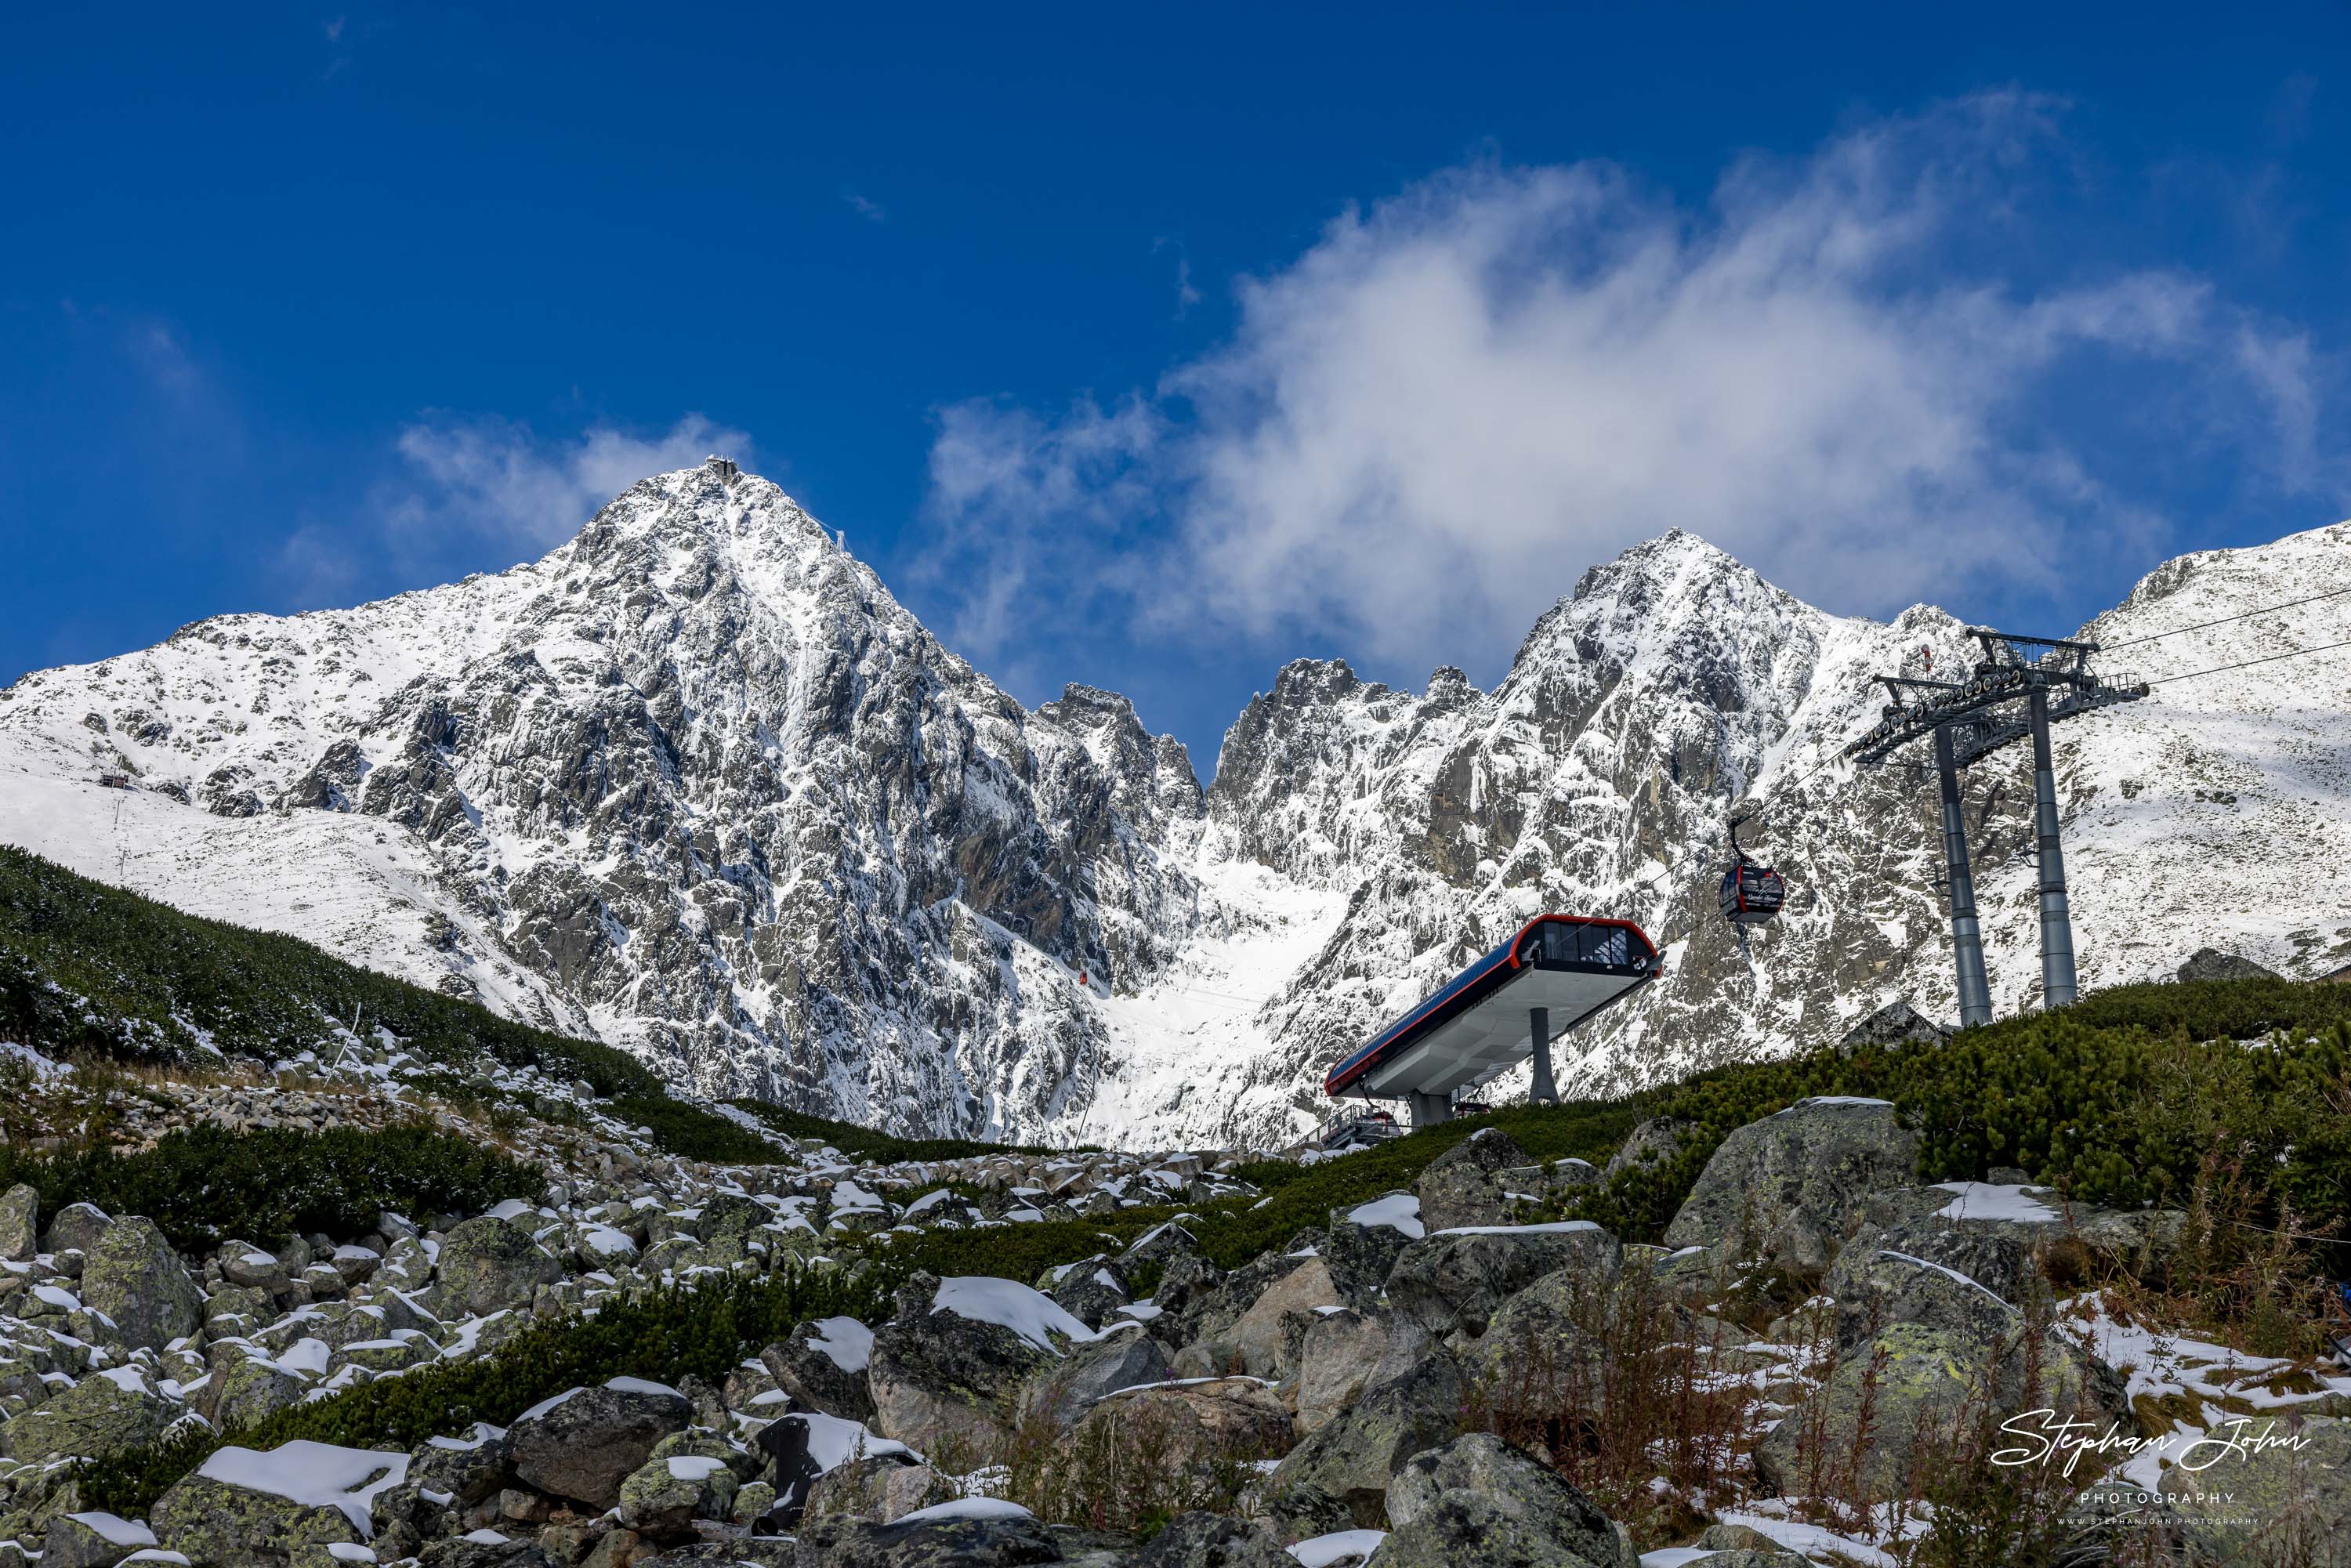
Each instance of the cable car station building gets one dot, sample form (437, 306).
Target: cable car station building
(1558, 972)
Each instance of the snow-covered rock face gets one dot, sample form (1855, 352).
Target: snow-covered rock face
(696, 784)
(700, 780)
(1593, 780)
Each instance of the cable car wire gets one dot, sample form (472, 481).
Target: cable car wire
(2222, 621)
(2245, 663)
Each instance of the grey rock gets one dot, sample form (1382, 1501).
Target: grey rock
(1268, 1335)
(1449, 1282)
(813, 1378)
(1336, 1359)
(215, 1525)
(462, 1552)
(247, 1390)
(89, 1541)
(133, 1275)
(95, 1418)
(2211, 964)
(584, 1447)
(1198, 1540)
(1543, 1348)
(945, 1543)
(1063, 1393)
(1162, 1244)
(1402, 1412)
(1477, 1502)
(1876, 1286)
(942, 1379)
(2288, 1488)
(1932, 1347)
(1091, 1291)
(77, 1228)
(1896, 1023)
(1462, 1185)
(728, 1227)
(1788, 1188)
(1983, 1232)
(800, 1454)
(20, 1215)
(1653, 1143)
(468, 1468)
(490, 1265)
(882, 1489)
(662, 1498)
(254, 1267)
(1232, 1419)
(1360, 1256)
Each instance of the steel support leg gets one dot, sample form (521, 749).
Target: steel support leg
(1428, 1110)
(1538, 1031)
(2057, 983)
(1967, 940)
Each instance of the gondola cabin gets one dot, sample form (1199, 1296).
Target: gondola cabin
(1751, 894)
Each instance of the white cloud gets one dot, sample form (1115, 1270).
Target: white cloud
(870, 211)
(1035, 510)
(495, 481)
(1425, 427)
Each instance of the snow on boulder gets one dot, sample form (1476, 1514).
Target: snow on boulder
(805, 1445)
(822, 1364)
(314, 1475)
(948, 1367)
(1341, 1549)
(1036, 1317)
(584, 1443)
(845, 1342)
(966, 1508)
(1398, 1211)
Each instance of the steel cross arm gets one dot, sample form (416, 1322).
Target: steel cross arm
(2000, 684)
(1973, 739)
(1986, 631)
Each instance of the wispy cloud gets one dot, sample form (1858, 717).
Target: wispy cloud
(872, 211)
(1423, 428)
(496, 480)
(1186, 296)
(1035, 510)
(470, 494)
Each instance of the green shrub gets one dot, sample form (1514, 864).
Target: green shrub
(204, 1183)
(2122, 1100)
(139, 980)
(693, 1133)
(882, 1148)
(667, 1334)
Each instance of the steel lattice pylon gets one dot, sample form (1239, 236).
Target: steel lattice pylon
(2011, 695)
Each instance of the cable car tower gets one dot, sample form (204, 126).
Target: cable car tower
(2018, 687)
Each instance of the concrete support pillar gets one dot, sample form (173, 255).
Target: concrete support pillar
(1967, 939)
(1428, 1110)
(1539, 1032)
(2057, 984)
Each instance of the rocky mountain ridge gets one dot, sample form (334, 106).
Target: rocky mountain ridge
(696, 784)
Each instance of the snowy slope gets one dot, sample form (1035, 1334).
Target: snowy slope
(695, 783)
(1595, 779)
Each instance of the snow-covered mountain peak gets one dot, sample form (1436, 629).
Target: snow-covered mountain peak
(695, 782)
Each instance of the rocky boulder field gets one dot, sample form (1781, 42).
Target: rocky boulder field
(1442, 1373)
(299, 1265)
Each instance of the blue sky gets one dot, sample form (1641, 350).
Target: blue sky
(1152, 349)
